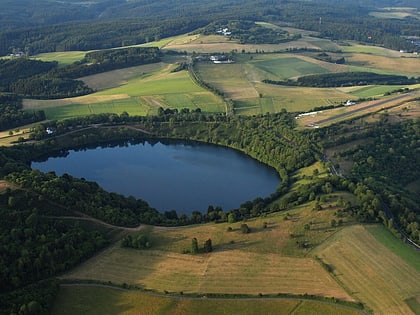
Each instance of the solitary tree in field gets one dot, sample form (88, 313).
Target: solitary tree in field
(194, 246)
(245, 228)
(208, 246)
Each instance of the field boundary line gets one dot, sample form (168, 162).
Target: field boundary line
(204, 297)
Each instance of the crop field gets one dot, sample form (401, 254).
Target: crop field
(63, 58)
(341, 113)
(373, 50)
(218, 43)
(370, 271)
(284, 67)
(391, 65)
(96, 300)
(387, 239)
(121, 77)
(267, 260)
(375, 90)
(241, 82)
(136, 90)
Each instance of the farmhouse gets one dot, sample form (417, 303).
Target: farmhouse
(349, 103)
(221, 59)
(224, 31)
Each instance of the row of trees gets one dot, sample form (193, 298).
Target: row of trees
(347, 79)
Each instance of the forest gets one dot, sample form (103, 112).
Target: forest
(12, 114)
(123, 24)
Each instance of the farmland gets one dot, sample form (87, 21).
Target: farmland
(96, 300)
(137, 90)
(382, 281)
(261, 258)
(142, 90)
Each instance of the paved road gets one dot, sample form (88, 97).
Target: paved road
(375, 104)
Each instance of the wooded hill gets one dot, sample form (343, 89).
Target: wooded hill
(121, 23)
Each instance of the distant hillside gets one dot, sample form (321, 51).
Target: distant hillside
(24, 13)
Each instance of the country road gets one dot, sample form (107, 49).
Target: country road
(413, 95)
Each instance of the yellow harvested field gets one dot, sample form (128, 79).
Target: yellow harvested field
(267, 260)
(217, 43)
(371, 272)
(230, 78)
(229, 271)
(405, 66)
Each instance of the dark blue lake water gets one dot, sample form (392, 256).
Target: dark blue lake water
(181, 176)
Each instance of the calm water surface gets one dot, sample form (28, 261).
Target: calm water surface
(171, 175)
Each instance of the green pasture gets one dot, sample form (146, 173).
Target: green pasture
(160, 84)
(375, 90)
(63, 57)
(405, 251)
(132, 105)
(285, 66)
(414, 305)
(366, 49)
(98, 300)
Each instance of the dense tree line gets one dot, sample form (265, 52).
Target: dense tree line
(87, 197)
(36, 298)
(33, 246)
(12, 115)
(130, 23)
(347, 79)
(12, 70)
(382, 168)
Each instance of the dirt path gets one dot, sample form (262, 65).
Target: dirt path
(85, 217)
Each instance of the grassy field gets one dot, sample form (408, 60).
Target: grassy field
(334, 115)
(375, 90)
(91, 300)
(63, 58)
(241, 82)
(370, 271)
(387, 239)
(136, 90)
(265, 261)
(142, 90)
(283, 67)
(385, 64)
(218, 43)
